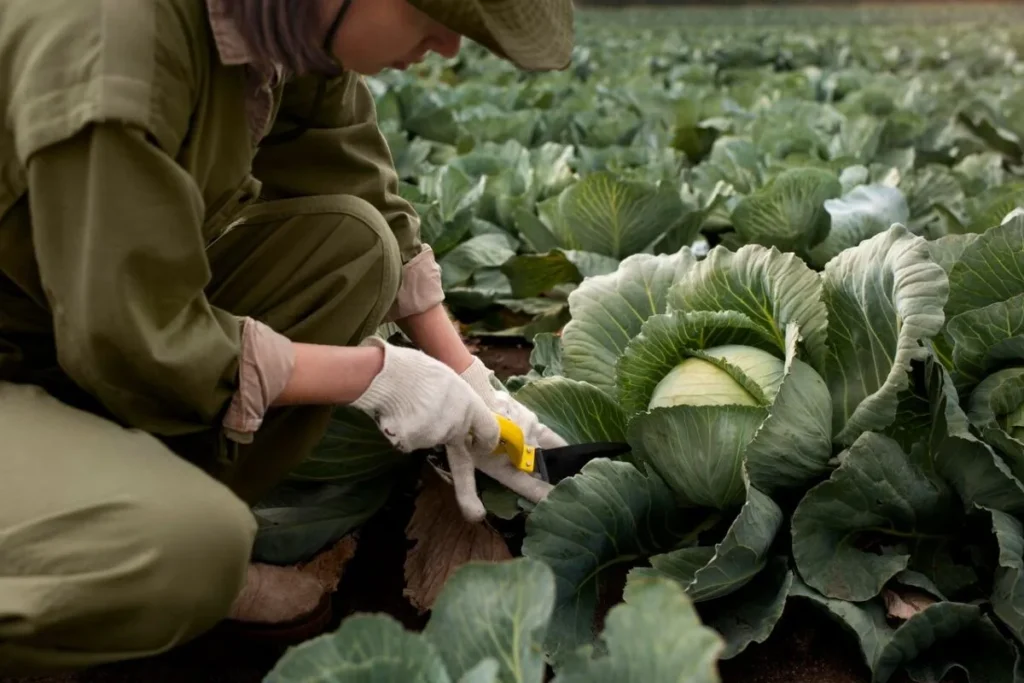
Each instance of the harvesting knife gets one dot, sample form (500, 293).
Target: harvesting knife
(552, 464)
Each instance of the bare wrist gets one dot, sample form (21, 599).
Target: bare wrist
(331, 375)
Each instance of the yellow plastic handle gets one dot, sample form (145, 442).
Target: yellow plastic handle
(513, 445)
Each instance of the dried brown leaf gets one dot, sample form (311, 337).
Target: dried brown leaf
(329, 566)
(905, 604)
(444, 541)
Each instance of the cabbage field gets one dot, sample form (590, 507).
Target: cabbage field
(777, 253)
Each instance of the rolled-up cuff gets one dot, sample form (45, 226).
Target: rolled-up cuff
(421, 287)
(268, 359)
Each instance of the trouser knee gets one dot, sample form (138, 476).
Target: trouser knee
(132, 577)
(365, 271)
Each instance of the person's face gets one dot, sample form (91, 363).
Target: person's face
(380, 34)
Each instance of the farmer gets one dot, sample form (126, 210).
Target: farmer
(200, 228)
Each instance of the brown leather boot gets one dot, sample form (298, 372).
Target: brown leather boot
(289, 605)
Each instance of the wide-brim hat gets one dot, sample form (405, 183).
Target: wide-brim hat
(536, 35)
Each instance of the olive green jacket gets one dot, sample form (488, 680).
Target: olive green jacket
(130, 136)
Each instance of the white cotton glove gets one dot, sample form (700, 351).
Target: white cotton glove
(420, 403)
(478, 376)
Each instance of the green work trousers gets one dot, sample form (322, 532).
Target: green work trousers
(114, 545)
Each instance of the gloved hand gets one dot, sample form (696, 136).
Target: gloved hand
(420, 403)
(478, 376)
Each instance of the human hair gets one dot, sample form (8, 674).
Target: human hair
(285, 32)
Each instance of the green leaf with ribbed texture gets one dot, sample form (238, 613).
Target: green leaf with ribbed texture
(990, 269)
(750, 614)
(456, 192)
(494, 611)
(698, 450)
(668, 339)
(353, 449)
(863, 212)
(789, 212)
(980, 477)
(708, 573)
(534, 274)
(591, 264)
(655, 636)
(537, 235)
(577, 411)
(609, 514)
(771, 288)
(736, 161)
(367, 648)
(985, 339)
(884, 298)
(476, 253)
(298, 520)
(746, 616)
(609, 310)
(865, 621)
(947, 250)
(996, 409)
(484, 672)
(1008, 583)
(605, 214)
(877, 496)
(793, 445)
(931, 186)
(952, 637)
(940, 638)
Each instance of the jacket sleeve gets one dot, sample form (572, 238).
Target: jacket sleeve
(117, 227)
(345, 152)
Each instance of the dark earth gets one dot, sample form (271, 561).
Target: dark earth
(804, 648)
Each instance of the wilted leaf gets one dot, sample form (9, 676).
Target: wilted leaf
(904, 604)
(444, 541)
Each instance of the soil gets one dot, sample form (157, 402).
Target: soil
(505, 360)
(804, 648)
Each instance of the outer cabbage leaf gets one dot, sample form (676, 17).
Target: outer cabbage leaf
(941, 637)
(353, 449)
(656, 636)
(609, 310)
(608, 514)
(771, 288)
(996, 408)
(884, 298)
(494, 611)
(789, 212)
(978, 474)
(487, 626)
(535, 274)
(833, 523)
(1008, 589)
(367, 648)
(577, 411)
(604, 214)
(990, 269)
(863, 212)
(297, 520)
(708, 573)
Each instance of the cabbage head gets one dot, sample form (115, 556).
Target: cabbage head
(736, 379)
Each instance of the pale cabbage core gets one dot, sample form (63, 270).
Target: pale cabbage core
(697, 382)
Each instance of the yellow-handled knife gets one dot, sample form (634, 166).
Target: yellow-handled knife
(553, 464)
